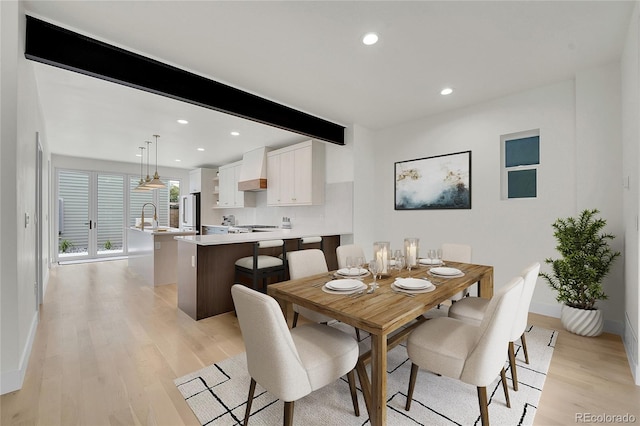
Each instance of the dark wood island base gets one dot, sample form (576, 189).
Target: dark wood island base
(207, 272)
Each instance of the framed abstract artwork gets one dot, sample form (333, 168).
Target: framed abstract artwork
(431, 183)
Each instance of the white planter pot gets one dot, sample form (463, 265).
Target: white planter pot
(581, 321)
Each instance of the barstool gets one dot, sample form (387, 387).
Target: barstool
(260, 266)
(310, 240)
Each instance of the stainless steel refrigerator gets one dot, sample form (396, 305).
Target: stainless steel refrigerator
(190, 212)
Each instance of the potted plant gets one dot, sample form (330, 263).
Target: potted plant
(577, 276)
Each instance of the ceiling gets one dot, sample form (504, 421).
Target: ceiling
(308, 55)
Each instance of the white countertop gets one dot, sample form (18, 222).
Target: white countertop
(163, 231)
(250, 237)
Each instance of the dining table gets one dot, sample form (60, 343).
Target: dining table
(387, 314)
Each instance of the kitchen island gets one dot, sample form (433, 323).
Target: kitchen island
(206, 265)
(153, 253)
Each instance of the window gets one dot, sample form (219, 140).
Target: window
(520, 159)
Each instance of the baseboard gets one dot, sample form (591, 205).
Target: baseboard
(554, 311)
(12, 380)
(630, 341)
(544, 309)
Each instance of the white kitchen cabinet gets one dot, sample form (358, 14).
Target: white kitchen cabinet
(195, 181)
(229, 196)
(296, 175)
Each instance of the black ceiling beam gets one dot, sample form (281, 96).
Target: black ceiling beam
(60, 47)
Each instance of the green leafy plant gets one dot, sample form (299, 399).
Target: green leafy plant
(174, 194)
(65, 245)
(586, 260)
(107, 245)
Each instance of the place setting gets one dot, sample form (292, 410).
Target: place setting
(446, 272)
(344, 286)
(434, 258)
(355, 268)
(412, 286)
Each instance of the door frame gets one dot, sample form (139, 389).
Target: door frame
(92, 234)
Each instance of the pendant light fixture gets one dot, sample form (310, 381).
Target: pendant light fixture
(148, 178)
(156, 183)
(141, 187)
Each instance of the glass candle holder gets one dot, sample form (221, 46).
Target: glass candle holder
(411, 247)
(382, 255)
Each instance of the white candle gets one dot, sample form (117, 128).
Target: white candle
(385, 260)
(412, 255)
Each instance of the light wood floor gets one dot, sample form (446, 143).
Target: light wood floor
(108, 348)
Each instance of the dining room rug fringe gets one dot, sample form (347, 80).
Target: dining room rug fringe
(217, 394)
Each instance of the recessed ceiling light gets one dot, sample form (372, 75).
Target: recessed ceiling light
(182, 121)
(370, 38)
(178, 160)
(234, 133)
(200, 149)
(446, 91)
(138, 155)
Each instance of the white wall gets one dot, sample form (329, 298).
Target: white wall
(598, 150)
(21, 121)
(508, 234)
(630, 163)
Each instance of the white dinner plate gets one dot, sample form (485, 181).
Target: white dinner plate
(344, 285)
(445, 271)
(425, 261)
(404, 290)
(352, 272)
(412, 283)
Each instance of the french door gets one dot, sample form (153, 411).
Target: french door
(90, 214)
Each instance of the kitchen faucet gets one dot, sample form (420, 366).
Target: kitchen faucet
(155, 216)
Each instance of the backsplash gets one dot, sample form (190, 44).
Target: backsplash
(335, 214)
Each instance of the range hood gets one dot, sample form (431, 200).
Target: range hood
(253, 173)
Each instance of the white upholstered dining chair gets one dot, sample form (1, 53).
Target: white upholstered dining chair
(471, 353)
(457, 253)
(472, 310)
(348, 250)
(290, 364)
(304, 263)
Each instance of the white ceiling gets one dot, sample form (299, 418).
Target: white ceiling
(308, 55)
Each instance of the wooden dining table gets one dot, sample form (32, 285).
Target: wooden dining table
(388, 316)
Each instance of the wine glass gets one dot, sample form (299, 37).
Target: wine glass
(432, 256)
(400, 262)
(439, 255)
(350, 264)
(374, 268)
(359, 263)
(397, 255)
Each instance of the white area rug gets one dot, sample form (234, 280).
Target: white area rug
(217, 394)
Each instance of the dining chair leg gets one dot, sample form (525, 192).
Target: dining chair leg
(252, 389)
(412, 385)
(351, 378)
(295, 319)
(512, 363)
(357, 333)
(524, 348)
(288, 413)
(505, 388)
(484, 409)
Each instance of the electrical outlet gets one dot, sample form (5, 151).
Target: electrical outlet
(158, 246)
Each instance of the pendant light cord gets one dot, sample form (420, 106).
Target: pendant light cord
(148, 179)
(156, 136)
